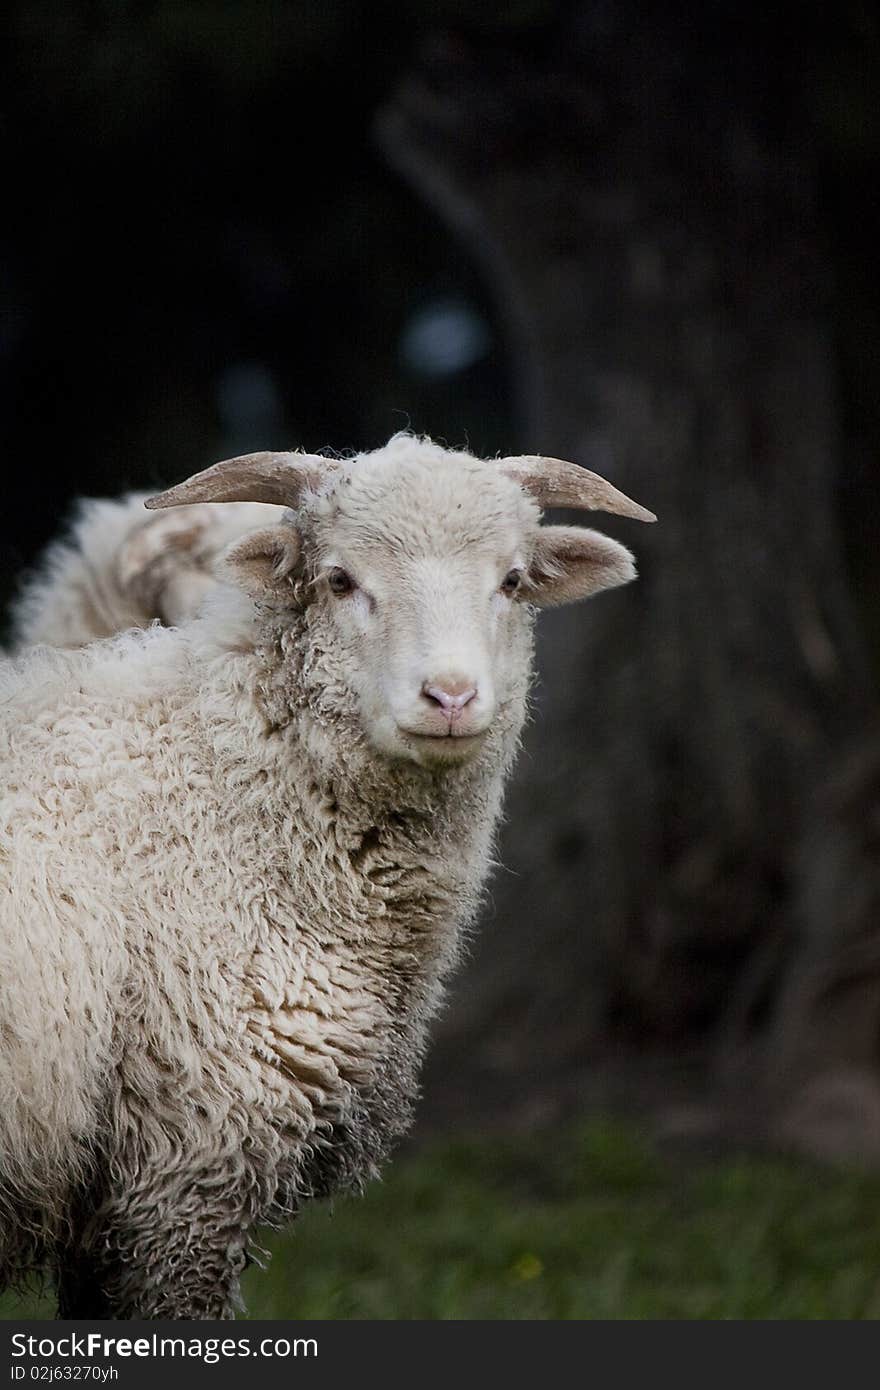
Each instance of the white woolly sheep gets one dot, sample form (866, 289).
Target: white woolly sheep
(236, 856)
(119, 567)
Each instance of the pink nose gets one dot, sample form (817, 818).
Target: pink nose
(451, 696)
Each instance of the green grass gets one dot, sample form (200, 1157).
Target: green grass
(589, 1223)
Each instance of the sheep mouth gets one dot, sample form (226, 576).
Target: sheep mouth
(447, 747)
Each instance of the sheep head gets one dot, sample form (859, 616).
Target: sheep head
(420, 568)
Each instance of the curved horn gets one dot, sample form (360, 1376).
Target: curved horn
(264, 477)
(555, 483)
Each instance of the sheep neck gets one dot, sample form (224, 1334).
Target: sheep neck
(415, 845)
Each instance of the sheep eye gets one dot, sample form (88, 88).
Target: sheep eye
(511, 582)
(340, 582)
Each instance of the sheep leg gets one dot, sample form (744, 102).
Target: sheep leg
(173, 1247)
(127, 1281)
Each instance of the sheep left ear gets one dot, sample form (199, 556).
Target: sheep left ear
(263, 563)
(571, 562)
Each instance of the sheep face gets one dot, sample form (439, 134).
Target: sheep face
(420, 570)
(417, 566)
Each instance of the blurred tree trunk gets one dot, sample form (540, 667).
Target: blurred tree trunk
(647, 220)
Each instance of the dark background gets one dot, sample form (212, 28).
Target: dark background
(201, 242)
(194, 188)
(229, 227)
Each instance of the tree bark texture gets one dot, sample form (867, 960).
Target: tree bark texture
(688, 820)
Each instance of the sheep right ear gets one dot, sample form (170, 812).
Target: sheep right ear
(264, 562)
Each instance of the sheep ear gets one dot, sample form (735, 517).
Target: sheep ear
(264, 562)
(571, 562)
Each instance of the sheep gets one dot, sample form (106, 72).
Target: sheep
(237, 857)
(119, 568)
